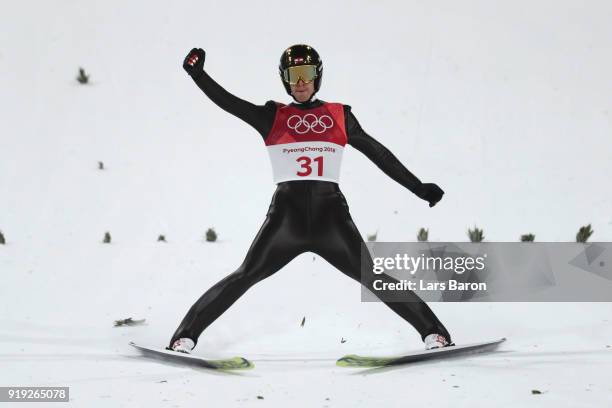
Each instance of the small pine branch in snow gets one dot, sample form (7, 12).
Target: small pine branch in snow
(161, 238)
(423, 235)
(476, 235)
(83, 78)
(584, 233)
(128, 322)
(2, 239)
(100, 165)
(527, 237)
(211, 235)
(372, 237)
(107, 238)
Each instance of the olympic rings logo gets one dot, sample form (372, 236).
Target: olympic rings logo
(310, 122)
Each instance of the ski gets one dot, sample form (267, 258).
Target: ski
(353, 360)
(234, 363)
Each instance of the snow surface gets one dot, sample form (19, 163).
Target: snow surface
(506, 105)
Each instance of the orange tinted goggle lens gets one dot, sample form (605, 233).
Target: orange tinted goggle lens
(306, 73)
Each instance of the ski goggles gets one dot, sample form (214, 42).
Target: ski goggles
(306, 73)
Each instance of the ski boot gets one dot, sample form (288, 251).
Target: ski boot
(182, 345)
(434, 341)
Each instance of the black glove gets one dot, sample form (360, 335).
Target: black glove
(431, 193)
(194, 62)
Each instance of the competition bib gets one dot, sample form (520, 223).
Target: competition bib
(307, 144)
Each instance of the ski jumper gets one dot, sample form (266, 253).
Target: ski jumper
(308, 212)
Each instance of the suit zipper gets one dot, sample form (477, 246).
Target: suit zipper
(309, 208)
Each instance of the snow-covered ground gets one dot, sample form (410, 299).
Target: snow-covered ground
(506, 105)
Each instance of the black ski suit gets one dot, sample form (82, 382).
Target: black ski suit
(304, 215)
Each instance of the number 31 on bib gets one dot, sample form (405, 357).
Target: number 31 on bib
(306, 163)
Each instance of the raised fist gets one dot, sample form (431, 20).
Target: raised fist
(194, 62)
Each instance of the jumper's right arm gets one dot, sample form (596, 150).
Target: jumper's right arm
(260, 117)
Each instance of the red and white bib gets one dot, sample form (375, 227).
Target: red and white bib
(307, 144)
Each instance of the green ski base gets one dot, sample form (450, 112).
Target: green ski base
(234, 363)
(354, 360)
